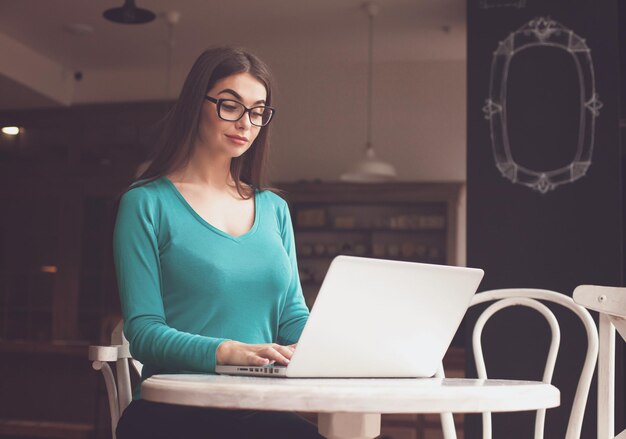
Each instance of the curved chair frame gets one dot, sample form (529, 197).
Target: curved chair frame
(528, 297)
(610, 303)
(119, 390)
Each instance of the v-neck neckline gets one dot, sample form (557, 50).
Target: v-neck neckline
(210, 226)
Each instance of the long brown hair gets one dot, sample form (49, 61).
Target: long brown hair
(181, 124)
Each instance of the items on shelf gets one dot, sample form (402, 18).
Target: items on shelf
(319, 249)
(310, 275)
(417, 222)
(311, 217)
(409, 221)
(344, 222)
(319, 217)
(396, 249)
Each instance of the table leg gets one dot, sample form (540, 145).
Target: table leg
(348, 425)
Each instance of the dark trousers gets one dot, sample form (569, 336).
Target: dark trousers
(144, 419)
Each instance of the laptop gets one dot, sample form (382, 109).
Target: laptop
(377, 318)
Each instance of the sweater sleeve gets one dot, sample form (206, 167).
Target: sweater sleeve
(295, 312)
(136, 254)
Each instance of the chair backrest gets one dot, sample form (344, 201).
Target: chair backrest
(610, 303)
(531, 298)
(118, 339)
(118, 385)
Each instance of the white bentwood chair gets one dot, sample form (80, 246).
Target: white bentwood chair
(610, 303)
(118, 385)
(533, 298)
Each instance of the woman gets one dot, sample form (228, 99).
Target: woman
(205, 255)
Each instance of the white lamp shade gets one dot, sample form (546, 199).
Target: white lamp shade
(370, 170)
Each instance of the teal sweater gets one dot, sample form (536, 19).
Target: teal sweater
(186, 286)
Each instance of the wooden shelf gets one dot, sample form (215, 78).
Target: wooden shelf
(424, 260)
(31, 347)
(369, 230)
(45, 429)
(405, 221)
(372, 193)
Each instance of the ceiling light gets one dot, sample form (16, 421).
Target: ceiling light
(11, 131)
(49, 269)
(370, 169)
(171, 19)
(129, 14)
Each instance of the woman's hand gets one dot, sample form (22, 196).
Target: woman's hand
(241, 354)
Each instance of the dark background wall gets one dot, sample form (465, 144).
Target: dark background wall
(556, 240)
(59, 182)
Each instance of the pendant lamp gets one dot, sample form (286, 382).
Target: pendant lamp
(129, 14)
(370, 169)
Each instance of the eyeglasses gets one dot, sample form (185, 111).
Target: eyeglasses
(230, 110)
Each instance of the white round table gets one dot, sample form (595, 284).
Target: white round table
(351, 408)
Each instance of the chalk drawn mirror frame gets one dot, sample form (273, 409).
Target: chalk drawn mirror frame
(542, 32)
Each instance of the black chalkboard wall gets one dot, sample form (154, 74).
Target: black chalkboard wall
(543, 179)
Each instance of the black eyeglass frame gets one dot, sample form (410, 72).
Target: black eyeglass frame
(218, 103)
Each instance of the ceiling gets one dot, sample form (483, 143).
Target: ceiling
(319, 30)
